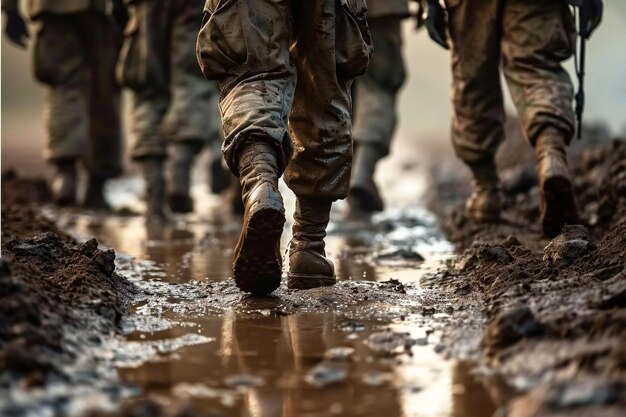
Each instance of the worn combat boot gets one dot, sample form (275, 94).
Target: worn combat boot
(183, 156)
(94, 196)
(257, 265)
(152, 169)
(485, 202)
(308, 265)
(558, 204)
(363, 195)
(65, 181)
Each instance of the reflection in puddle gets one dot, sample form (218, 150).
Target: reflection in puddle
(257, 361)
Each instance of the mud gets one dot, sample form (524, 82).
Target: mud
(59, 303)
(555, 310)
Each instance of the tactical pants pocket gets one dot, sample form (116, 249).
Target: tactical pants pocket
(353, 44)
(221, 45)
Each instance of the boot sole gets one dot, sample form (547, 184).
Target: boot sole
(257, 268)
(559, 206)
(308, 281)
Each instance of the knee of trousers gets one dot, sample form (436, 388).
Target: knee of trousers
(257, 111)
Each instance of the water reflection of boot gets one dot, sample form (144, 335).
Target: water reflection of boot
(65, 183)
(94, 196)
(485, 202)
(308, 265)
(558, 204)
(363, 195)
(257, 263)
(152, 169)
(183, 156)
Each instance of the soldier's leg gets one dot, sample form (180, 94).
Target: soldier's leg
(190, 121)
(537, 37)
(331, 46)
(144, 69)
(375, 111)
(104, 159)
(478, 123)
(245, 44)
(59, 63)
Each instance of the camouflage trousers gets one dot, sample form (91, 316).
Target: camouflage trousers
(375, 115)
(529, 40)
(75, 56)
(286, 69)
(172, 101)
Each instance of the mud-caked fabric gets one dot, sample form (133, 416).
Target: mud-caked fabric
(35, 8)
(375, 115)
(171, 101)
(75, 56)
(286, 69)
(529, 40)
(386, 8)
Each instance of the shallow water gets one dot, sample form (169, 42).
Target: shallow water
(197, 338)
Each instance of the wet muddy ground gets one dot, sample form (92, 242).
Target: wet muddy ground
(410, 329)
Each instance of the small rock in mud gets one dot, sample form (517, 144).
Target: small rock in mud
(339, 354)
(244, 381)
(512, 325)
(494, 253)
(390, 342)
(573, 243)
(394, 285)
(325, 374)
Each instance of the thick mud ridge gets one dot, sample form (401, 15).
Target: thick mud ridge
(553, 344)
(60, 303)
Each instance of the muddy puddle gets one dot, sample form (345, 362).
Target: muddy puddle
(363, 348)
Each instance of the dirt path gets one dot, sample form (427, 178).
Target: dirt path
(553, 344)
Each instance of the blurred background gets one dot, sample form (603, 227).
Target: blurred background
(424, 101)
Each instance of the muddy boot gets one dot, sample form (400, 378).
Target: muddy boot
(558, 205)
(65, 182)
(183, 156)
(257, 263)
(236, 204)
(485, 202)
(94, 196)
(363, 195)
(152, 169)
(308, 265)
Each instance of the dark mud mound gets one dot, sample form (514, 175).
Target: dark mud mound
(556, 310)
(59, 302)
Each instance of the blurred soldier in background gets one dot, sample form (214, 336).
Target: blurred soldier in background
(375, 101)
(530, 40)
(172, 102)
(75, 51)
(285, 69)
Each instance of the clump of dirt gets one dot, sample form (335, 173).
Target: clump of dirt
(555, 310)
(59, 302)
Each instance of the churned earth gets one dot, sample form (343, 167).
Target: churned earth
(156, 328)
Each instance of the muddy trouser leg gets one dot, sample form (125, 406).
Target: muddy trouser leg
(478, 122)
(375, 92)
(537, 37)
(60, 63)
(330, 43)
(144, 68)
(105, 143)
(192, 118)
(375, 114)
